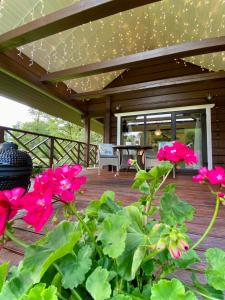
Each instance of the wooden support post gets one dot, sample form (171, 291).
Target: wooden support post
(51, 156)
(2, 135)
(87, 128)
(107, 121)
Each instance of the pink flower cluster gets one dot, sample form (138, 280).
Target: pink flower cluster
(214, 176)
(61, 182)
(177, 153)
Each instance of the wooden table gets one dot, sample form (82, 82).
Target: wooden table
(139, 156)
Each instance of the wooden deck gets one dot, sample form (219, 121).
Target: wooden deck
(197, 195)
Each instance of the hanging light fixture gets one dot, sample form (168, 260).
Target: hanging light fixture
(158, 131)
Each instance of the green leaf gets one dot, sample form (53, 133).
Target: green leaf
(112, 234)
(170, 188)
(215, 270)
(144, 187)
(39, 292)
(187, 259)
(121, 297)
(74, 268)
(39, 257)
(129, 261)
(170, 290)
(3, 272)
(160, 170)
(135, 216)
(174, 211)
(97, 284)
(105, 205)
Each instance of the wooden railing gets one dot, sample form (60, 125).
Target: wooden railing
(47, 150)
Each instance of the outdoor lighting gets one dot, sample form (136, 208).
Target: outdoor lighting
(158, 132)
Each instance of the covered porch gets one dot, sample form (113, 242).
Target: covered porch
(136, 72)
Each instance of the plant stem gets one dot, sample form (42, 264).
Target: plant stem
(61, 296)
(200, 293)
(195, 270)
(75, 294)
(163, 181)
(152, 196)
(210, 224)
(74, 211)
(15, 239)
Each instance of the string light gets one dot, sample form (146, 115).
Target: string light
(161, 24)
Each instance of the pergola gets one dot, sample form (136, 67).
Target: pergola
(85, 60)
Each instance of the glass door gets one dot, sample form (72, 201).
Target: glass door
(191, 130)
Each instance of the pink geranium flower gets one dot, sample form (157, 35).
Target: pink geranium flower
(66, 187)
(202, 175)
(39, 209)
(62, 182)
(216, 176)
(177, 153)
(10, 203)
(67, 182)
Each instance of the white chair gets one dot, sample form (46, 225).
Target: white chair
(151, 157)
(108, 157)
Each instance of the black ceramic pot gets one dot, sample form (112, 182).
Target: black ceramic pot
(15, 167)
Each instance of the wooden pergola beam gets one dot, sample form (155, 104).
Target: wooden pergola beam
(150, 85)
(176, 51)
(66, 18)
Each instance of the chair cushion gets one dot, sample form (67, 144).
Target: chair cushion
(106, 150)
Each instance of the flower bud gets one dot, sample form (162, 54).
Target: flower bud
(161, 245)
(131, 162)
(183, 245)
(174, 251)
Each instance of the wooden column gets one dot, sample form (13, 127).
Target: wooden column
(87, 128)
(2, 135)
(107, 121)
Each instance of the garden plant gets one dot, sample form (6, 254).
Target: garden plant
(108, 251)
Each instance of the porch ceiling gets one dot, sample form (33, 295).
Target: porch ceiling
(148, 27)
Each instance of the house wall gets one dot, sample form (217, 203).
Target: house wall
(182, 95)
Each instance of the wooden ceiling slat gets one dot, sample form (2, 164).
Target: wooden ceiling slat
(150, 85)
(64, 19)
(176, 51)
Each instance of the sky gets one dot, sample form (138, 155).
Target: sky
(11, 112)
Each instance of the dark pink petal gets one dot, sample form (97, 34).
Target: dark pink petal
(4, 212)
(67, 196)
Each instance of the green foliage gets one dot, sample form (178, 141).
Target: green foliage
(3, 272)
(74, 267)
(40, 292)
(38, 258)
(47, 124)
(187, 259)
(215, 270)
(205, 290)
(97, 284)
(112, 234)
(118, 253)
(173, 210)
(170, 290)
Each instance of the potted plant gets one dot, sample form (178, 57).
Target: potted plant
(110, 251)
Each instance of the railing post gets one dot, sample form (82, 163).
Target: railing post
(87, 124)
(2, 135)
(51, 156)
(78, 154)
